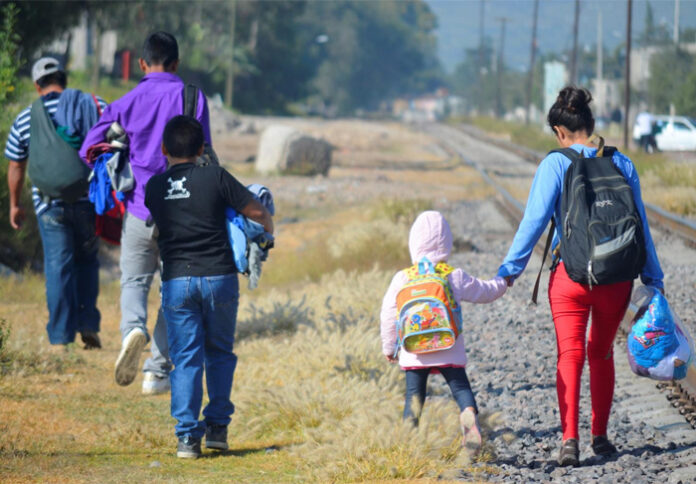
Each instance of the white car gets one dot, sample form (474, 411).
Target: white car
(673, 133)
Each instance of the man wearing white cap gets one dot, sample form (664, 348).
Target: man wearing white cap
(56, 124)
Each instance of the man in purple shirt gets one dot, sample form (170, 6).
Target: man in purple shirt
(143, 114)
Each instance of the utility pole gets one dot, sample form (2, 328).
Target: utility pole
(627, 87)
(229, 82)
(532, 58)
(600, 47)
(676, 22)
(481, 62)
(501, 63)
(574, 54)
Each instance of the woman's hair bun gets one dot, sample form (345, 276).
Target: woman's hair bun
(572, 110)
(574, 99)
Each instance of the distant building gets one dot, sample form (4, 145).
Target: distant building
(555, 79)
(428, 107)
(606, 96)
(83, 42)
(640, 63)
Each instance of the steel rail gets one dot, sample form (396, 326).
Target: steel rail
(680, 226)
(683, 392)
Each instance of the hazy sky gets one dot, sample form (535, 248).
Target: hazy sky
(459, 24)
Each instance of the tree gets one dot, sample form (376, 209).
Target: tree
(23, 248)
(376, 51)
(40, 22)
(670, 70)
(653, 34)
(685, 100)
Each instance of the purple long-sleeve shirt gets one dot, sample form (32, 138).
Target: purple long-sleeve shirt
(143, 113)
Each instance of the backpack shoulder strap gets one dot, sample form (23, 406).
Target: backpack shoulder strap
(609, 151)
(411, 271)
(444, 269)
(41, 124)
(547, 245)
(190, 100)
(569, 153)
(96, 103)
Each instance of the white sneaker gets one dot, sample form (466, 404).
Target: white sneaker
(471, 439)
(128, 360)
(155, 385)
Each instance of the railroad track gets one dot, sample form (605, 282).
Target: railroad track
(638, 395)
(681, 394)
(684, 228)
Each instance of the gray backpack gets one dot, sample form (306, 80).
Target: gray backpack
(55, 167)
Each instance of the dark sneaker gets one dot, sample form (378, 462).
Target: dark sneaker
(216, 437)
(602, 446)
(569, 455)
(91, 340)
(188, 447)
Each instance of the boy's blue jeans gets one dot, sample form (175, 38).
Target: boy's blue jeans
(71, 266)
(417, 382)
(201, 315)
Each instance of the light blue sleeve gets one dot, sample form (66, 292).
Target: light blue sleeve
(541, 204)
(652, 274)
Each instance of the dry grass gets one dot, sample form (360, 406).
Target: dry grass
(315, 400)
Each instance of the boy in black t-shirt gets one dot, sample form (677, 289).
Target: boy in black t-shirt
(200, 291)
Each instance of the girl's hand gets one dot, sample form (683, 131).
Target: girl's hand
(391, 358)
(510, 281)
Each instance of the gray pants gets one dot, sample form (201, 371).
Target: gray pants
(139, 261)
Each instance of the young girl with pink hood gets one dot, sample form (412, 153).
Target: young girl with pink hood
(431, 237)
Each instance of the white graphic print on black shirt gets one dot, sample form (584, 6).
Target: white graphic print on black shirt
(188, 202)
(176, 189)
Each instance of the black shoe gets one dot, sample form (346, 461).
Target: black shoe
(602, 446)
(216, 437)
(91, 340)
(188, 447)
(569, 455)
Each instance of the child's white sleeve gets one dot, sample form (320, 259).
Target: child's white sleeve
(471, 289)
(389, 315)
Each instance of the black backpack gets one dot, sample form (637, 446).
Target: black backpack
(602, 234)
(208, 157)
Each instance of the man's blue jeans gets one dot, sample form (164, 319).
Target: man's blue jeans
(201, 315)
(71, 266)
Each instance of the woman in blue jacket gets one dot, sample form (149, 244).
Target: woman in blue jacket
(571, 120)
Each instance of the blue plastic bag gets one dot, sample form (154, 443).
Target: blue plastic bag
(658, 346)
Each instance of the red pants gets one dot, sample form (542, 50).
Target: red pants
(571, 304)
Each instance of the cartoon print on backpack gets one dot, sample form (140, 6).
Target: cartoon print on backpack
(429, 317)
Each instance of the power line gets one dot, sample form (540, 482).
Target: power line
(532, 56)
(574, 54)
(627, 86)
(501, 64)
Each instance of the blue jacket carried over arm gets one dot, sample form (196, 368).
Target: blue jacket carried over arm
(545, 201)
(249, 240)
